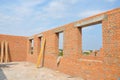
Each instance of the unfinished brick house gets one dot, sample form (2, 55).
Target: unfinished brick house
(105, 66)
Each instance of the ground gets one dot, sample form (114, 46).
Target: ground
(28, 71)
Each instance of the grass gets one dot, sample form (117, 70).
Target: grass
(60, 52)
(87, 52)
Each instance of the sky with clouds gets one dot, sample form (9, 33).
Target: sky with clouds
(28, 17)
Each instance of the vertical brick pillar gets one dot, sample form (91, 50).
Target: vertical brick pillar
(28, 46)
(33, 57)
(111, 45)
(51, 46)
(72, 41)
(36, 45)
(51, 49)
(56, 43)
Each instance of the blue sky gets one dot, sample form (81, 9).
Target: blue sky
(92, 37)
(28, 17)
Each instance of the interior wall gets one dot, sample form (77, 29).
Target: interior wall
(17, 47)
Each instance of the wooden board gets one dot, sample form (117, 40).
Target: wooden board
(2, 51)
(40, 57)
(6, 51)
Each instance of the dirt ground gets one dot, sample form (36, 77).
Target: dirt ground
(28, 71)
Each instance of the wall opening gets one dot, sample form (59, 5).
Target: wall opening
(92, 39)
(60, 43)
(31, 46)
(39, 44)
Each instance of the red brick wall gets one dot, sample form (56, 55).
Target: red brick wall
(17, 47)
(33, 57)
(111, 45)
(105, 66)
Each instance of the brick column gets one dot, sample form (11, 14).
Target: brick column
(111, 45)
(72, 41)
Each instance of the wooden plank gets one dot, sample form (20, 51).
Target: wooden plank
(6, 51)
(2, 51)
(40, 57)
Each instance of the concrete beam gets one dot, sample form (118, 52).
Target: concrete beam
(31, 37)
(91, 21)
(59, 30)
(40, 35)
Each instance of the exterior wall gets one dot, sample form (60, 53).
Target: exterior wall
(17, 47)
(105, 66)
(111, 45)
(32, 57)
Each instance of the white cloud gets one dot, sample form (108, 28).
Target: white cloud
(36, 15)
(58, 9)
(25, 7)
(54, 10)
(6, 19)
(20, 12)
(88, 13)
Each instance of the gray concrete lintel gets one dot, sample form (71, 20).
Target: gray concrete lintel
(31, 37)
(92, 21)
(59, 30)
(40, 35)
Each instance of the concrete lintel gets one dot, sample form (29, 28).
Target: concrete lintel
(31, 37)
(40, 35)
(92, 21)
(59, 30)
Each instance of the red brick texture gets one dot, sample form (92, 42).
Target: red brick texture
(105, 66)
(17, 47)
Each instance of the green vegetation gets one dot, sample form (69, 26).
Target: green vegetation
(91, 51)
(60, 52)
(87, 52)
